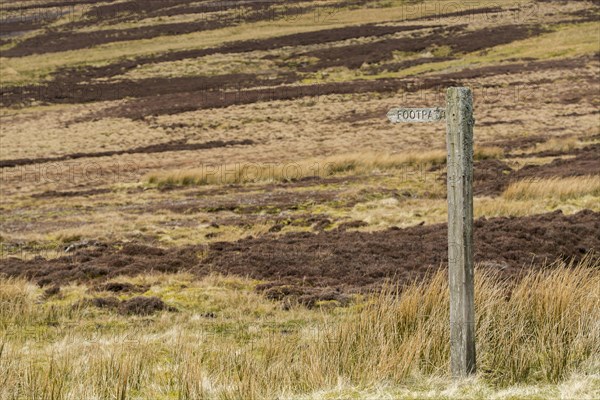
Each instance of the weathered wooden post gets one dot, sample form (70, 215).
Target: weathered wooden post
(459, 141)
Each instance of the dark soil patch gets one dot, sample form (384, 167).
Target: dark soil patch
(51, 291)
(501, 122)
(246, 11)
(120, 287)
(353, 117)
(399, 66)
(351, 225)
(307, 296)
(269, 202)
(177, 145)
(320, 223)
(490, 177)
(334, 259)
(464, 13)
(329, 36)
(143, 306)
(239, 11)
(520, 143)
(575, 114)
(139, 305)
(556, 153)
(586, 162)
(73, 193)
(104, 302)
(317, 222)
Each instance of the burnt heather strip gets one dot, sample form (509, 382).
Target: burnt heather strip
(355, 55)
(297, 39)
(177, 145)
(67, 38)
(347, 261)
(65, 92)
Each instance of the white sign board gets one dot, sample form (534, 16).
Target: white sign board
(396, 115)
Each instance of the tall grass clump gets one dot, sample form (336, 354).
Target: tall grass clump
(540, 329)
(17, 300)
(338, 165)
(560, 145)
(554, 188)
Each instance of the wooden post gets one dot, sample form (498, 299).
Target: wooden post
(459, 124)
(459, 139)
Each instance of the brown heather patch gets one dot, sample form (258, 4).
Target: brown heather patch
(179, 145)
(343, 259)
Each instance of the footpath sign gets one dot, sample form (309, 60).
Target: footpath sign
(459, 141)
(396, 115)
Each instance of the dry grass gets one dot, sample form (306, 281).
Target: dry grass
(389, 212)
(330, 166)
(355, 164)
(217, 64)
(537, 344)
(500, 207)
(556, 188)
(543, 330)
(562, 145)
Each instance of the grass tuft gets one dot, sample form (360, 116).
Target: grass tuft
(556, 188)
